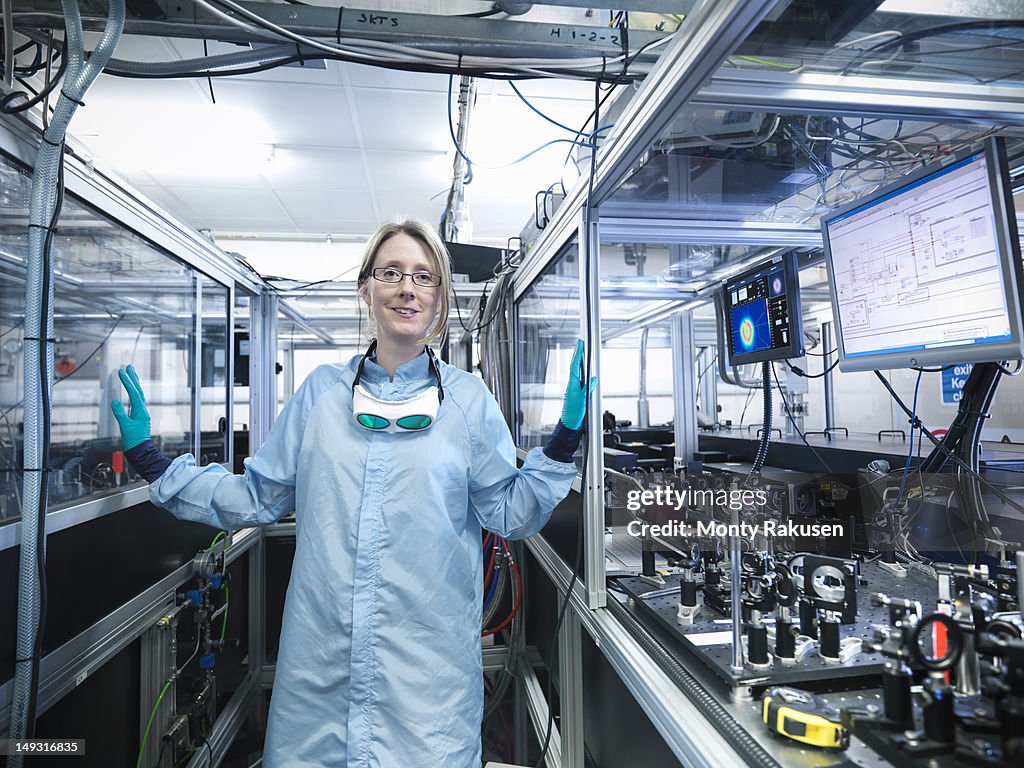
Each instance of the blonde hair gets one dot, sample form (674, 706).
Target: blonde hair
(438, 252)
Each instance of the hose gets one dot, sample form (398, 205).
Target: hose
(766, 427)
(745, 744)
(643, 406)
(38, 330)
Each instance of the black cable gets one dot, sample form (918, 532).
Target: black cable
(483, 323)
(588, 218)
(766, 425)
(943, 449)
(800, 371)
(909, 37)
(96, 349)
(160, 756)
(487, 73)
(479, 14)
(793, 421)
(10, 98)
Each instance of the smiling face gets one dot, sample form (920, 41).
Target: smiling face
(404, 312)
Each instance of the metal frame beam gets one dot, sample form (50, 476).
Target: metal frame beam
(537, 706)
(65, 668)
(811, 93)
(708, 36)
(434, 32)
(620, 228)
(687, 732)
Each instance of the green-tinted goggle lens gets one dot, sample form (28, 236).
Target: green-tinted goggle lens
(406, 422)
(414, 422)
(372, 422)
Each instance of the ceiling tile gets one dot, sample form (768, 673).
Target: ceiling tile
(300, 167)
(390, 120)
(315, 204)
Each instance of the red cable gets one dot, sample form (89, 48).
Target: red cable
(489, 573)
(519, 596)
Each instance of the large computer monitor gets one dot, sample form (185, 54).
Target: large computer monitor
(926, 271)
(762, 313)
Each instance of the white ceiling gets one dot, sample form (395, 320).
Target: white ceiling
(303, 153)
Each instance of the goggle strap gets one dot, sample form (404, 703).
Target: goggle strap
(430, 355)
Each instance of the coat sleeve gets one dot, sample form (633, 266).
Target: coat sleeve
(511, 501)
(262, 495)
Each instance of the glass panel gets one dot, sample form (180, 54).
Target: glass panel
(947, 41)
(243, 323)
(213, 371)
(730, 165)
(548, 317)
(623, 378)
(118, 300)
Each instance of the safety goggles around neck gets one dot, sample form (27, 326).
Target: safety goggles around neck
(413, 414)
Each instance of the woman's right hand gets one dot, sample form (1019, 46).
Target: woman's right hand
(135, 427)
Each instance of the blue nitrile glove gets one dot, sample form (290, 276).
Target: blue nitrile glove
(134, 427)
(574, 408)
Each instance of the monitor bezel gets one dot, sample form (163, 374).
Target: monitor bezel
(795, 348)
(997, 170)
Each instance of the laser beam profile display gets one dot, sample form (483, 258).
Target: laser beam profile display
(750, 327)
(763, 313)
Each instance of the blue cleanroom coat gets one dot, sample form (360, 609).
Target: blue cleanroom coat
(380, 656)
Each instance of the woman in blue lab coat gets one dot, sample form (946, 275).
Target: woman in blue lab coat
(392, 462)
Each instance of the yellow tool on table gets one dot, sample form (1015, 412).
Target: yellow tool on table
(803, 717)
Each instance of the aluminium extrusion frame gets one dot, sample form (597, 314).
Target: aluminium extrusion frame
(708, 36)
(65, 668)
(618, 226)
(593, 482)
(860, 96)
(687, 732)
(155, 669)
(684, 386)
(537, 708)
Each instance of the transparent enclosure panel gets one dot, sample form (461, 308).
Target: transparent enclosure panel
(118, 300)
(628, 359)
(242, 415)
(731, 165)
(213, 372)
(548, 325)
(947, 41)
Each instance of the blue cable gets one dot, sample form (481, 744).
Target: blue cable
(494, 583)
(462, 154)
(538, 112)
(910, 453)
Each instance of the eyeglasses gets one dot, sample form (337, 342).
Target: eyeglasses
(421, 279)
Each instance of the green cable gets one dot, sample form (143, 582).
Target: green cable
(145, 736)
(220, 535)
(224, 626)
(767, 63)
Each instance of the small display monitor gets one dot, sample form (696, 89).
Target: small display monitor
(926, 271)
(762, 313)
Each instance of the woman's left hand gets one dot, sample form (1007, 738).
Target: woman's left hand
(574, 407)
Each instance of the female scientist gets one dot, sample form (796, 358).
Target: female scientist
(392, 462)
